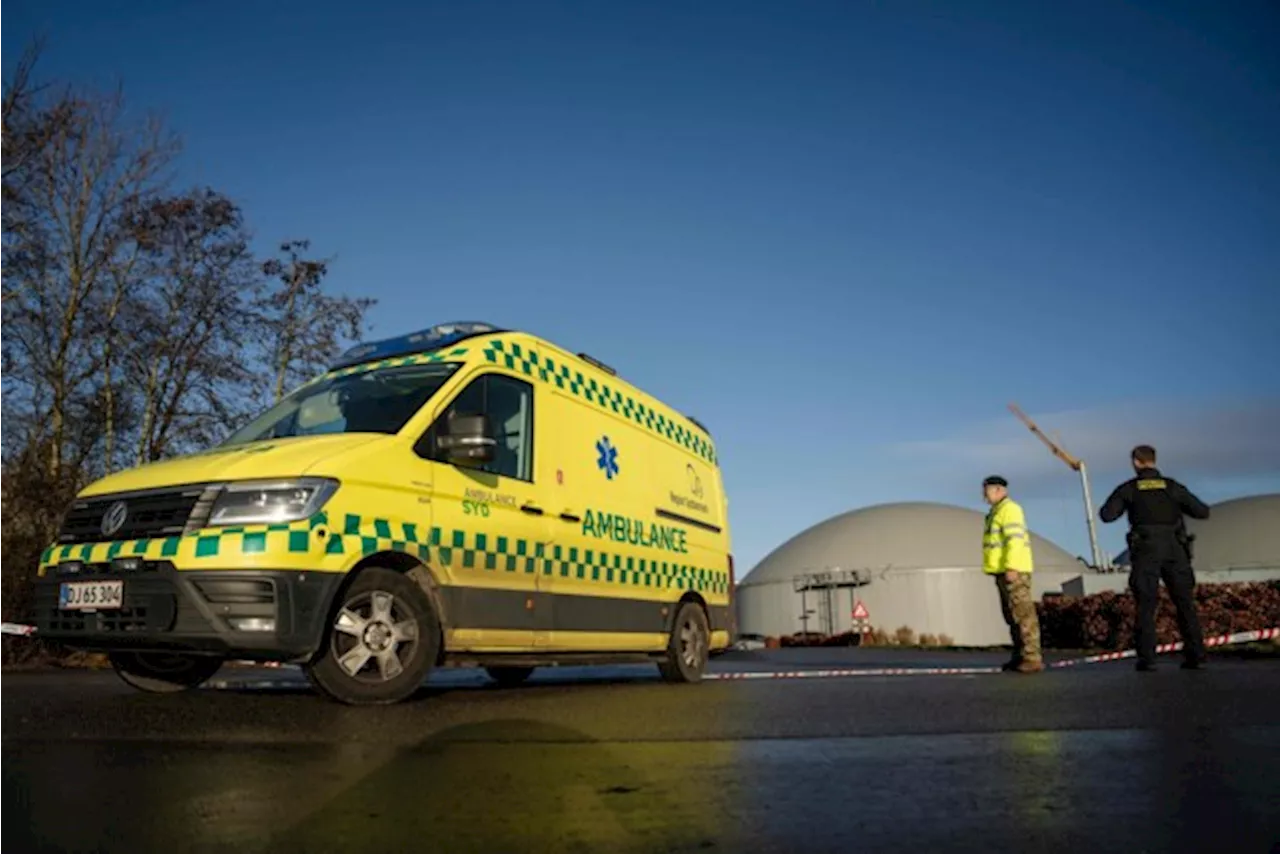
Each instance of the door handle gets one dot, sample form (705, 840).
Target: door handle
(569, 517)
(531, 509)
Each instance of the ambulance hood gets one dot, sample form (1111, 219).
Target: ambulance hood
(275, 458)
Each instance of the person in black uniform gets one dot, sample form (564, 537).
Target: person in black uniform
(1159, 547)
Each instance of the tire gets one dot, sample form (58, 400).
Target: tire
(164, 672)
(687, 651)
(382, 641)
(509, 677)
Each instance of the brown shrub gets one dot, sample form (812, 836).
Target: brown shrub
(32, 502)
(879, 637)
(1107, 620)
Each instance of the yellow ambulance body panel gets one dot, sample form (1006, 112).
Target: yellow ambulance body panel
(545, 511)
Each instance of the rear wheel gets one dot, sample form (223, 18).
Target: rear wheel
(164, 672)
(689, 647)
(509, 676)
(381, 643)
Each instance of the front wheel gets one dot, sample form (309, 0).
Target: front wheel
(689, 647)
(381, 643)
(164, 672)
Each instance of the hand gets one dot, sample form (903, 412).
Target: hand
(1011, 576)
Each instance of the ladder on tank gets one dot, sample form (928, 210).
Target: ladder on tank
(826, 586)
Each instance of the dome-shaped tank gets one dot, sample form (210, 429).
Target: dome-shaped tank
(922, 564)
(1243, 533)
(910, 535)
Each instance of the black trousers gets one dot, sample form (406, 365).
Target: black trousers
(1166, 561)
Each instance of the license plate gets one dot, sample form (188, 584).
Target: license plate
(91, 595)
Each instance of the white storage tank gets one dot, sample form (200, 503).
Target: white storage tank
(922, 568)
(1240, 534)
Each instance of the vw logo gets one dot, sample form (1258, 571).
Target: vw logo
(113, 520)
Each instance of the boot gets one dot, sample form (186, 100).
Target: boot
(1030, 666)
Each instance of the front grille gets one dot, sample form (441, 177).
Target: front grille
(151, 605)
(124, 620)
(162, 513)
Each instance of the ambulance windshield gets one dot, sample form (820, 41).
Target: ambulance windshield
(376, 401)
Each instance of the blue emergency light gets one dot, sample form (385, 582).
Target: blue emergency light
(424, 341)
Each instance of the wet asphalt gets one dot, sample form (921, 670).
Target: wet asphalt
(1096, 758)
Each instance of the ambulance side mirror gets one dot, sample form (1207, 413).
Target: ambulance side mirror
(466, 440)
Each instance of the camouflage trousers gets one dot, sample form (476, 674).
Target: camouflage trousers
(1020, 614)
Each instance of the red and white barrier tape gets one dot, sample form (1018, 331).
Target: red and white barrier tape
(1220, 640)
(17, 629)
(852, 671)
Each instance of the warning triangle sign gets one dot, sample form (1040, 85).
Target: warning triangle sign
(860, 611)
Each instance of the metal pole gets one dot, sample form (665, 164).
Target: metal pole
(831, 608)
(1088, 513)
(804, 610)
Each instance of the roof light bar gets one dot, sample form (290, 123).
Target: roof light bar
(423, 341)
(594, 362)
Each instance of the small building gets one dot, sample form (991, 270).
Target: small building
(914, 564)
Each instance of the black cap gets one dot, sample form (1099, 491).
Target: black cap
(995, 480)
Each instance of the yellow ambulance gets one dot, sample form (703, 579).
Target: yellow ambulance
(461, 496)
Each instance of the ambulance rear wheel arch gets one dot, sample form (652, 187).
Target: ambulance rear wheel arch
(688, 643)
(695, 598)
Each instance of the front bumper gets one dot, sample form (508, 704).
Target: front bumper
(164, 609)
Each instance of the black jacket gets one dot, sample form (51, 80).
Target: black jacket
(1153, 500)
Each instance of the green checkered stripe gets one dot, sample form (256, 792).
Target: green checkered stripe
(360, 536)
(482, 552)
(367, 535)
(516, 357)
(293, 538)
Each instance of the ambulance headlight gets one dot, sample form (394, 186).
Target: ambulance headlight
(271, 502)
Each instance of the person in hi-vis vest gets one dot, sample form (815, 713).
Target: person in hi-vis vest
(1006, 555)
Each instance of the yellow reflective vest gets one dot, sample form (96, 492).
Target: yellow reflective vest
(1006, 543)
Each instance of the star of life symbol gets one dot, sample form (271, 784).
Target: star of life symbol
(607, 462)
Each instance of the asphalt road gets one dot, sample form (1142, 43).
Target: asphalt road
(1098, 758)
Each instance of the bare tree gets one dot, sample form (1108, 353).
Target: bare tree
(75, 191)
(136, 324)
(29, 122)
(111, 312)
(305, 327)
(15, 115)
(190, 334)
(26, 128)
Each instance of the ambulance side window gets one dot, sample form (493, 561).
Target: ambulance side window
(509, 404)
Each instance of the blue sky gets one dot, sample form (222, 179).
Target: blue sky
(843, 235)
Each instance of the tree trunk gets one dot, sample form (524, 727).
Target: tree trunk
(109, 387)
(148, 414)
